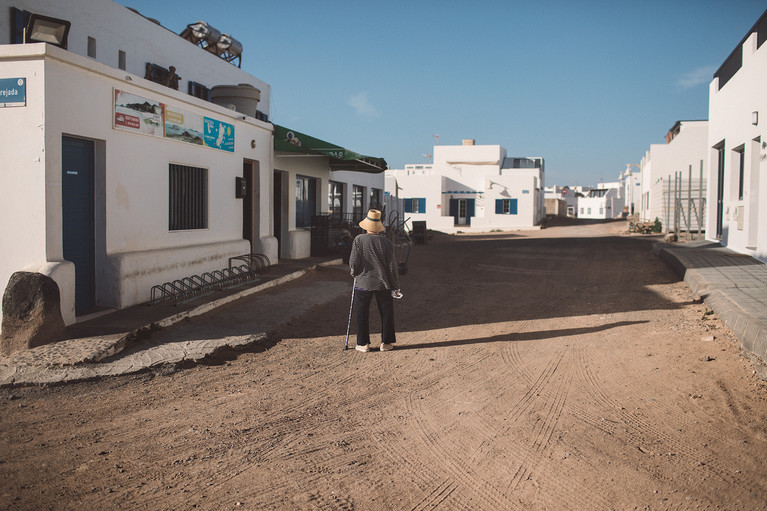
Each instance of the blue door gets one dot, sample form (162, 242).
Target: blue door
(77, 205)
(461, 210)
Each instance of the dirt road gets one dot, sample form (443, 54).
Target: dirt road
(560, 369)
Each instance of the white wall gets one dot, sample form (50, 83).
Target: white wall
(606, 207)
(490, 155)
(662, 161)
(298, 242)
(731, 123)
(116, 28)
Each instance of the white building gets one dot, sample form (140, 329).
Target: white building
(671, 184)
(133, 156)
(567, 194)
(632, 182)
(737, 147)
(313, 177)
(604, 202)
(472, 188)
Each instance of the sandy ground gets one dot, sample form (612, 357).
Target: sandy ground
(561, 369)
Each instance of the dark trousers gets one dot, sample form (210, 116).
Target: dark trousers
(385, 304)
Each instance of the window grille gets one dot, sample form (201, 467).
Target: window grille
(188, 198)
(198, 90)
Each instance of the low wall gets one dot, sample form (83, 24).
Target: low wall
(134, 273)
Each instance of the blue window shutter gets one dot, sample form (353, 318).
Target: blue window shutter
(498, 206)
(469, 210)
(422, 205)
(453, 209)
(408, 203)
(512, 206)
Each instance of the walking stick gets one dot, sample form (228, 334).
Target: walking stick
(351, 307)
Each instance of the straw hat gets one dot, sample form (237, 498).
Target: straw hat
(372, 222)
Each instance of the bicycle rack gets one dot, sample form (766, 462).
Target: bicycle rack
(186, 289)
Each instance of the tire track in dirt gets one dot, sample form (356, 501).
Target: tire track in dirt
(434, 489)
(440, 493)
(548, 393)
(648, 430)
(566, 490)
(485, 495)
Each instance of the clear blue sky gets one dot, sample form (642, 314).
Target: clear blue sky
(586, 85)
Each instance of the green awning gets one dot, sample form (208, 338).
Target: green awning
(292, 141)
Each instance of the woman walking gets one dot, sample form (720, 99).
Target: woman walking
(374, 269)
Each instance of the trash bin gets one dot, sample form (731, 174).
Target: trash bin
(419, 232)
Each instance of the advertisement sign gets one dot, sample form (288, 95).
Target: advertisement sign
(13, 92)
(219, 134)
(183, 126)
(137, 114)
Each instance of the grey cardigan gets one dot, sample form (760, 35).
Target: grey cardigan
(373, 264)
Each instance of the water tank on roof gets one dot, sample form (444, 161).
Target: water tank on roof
(244, 97)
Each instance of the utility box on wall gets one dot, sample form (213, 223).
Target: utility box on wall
(240, 187)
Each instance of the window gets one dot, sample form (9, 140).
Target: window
(336, 201)
(18, 22)
(505, 206)
(741, 170)
(375, 198)
(601, 210)
(188, 198)
(121, 61)
(306, 200)
(198, 90)
(358, 196)
(159, 74)
(415, 205)
(91, 47)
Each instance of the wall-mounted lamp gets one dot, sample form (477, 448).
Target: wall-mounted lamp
(253, 144)
(755, 118)
(44, 29)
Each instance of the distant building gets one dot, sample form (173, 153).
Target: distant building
(632, 182)
(603, 202)
(563, 200)
(472, 188)
(671, 185)
(737, 147)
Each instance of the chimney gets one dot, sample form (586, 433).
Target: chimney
(468, 141)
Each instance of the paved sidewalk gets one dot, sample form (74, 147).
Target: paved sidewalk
(732, 285)
(115, 343)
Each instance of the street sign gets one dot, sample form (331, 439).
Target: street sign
(13, 92)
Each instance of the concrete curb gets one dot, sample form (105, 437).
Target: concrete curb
(750, 330)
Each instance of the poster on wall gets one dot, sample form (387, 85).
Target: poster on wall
(138, 114)
(183, 126)
(219, 135)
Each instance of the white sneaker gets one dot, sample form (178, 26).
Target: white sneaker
(386, 347)
(364, 348)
